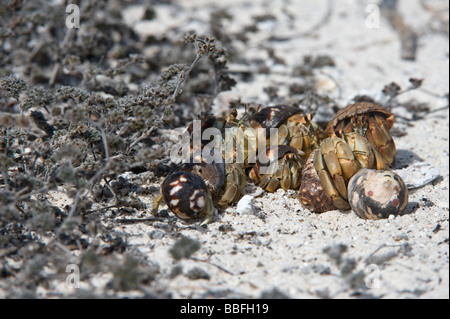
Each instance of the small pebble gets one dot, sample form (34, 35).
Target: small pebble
(156, 234)
(245, 205)
(197, 273)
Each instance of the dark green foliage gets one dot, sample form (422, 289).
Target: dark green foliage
(78, 108)
(11, 86)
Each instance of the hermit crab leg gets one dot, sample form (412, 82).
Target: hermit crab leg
(327, 181)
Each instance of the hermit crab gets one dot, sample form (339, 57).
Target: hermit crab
(187, 196)
(335, 162)
(211, 170)
(202, 182)
(293, 128)
(224, 180)
(369, 120)
(344, 166)
(350, 169)
(283, 169)
(227, 134)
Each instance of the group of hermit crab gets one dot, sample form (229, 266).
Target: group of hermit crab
(342, 166)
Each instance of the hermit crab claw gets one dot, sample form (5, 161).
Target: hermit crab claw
(282, 170)
(336, 162)
(235, 180)
(364, 152)
(371, 121)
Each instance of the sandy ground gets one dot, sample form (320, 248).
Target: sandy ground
(285, 250)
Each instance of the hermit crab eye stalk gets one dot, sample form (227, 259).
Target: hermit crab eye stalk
(187, 196)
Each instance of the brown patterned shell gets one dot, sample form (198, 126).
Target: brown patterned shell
(186, 195)
(311, 193)
(359, 108)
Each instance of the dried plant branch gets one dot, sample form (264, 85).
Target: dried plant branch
(202, 47)
(408, 37)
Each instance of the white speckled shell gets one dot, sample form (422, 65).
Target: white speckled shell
(375, 194)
